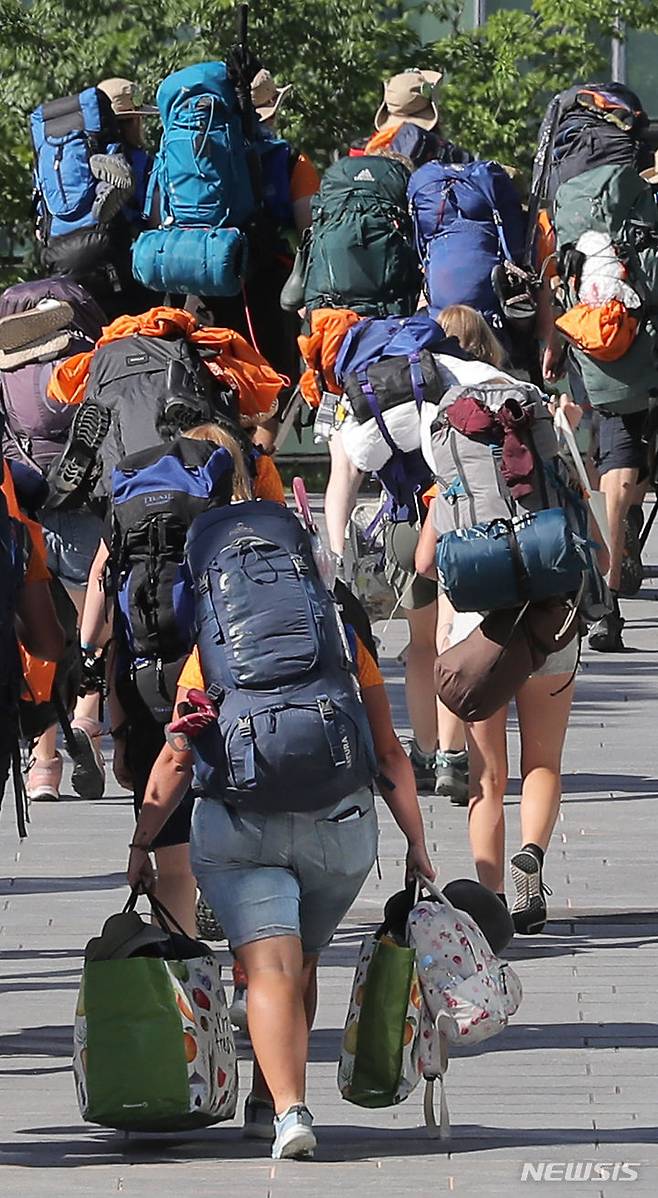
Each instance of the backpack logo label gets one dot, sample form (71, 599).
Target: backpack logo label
(364, 176)
(137, 359)
(159, 499)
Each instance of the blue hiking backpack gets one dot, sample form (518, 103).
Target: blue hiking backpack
(382, 365)
(65, 135)
(201, 175)
(156, 495)
(291, 732)
(468, 220)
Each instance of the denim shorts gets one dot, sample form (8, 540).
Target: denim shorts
(72, 539)
(283, 873)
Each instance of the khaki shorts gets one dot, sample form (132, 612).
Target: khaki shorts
(400, 541)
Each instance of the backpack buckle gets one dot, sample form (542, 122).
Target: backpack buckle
(215, 692)
(244, 726)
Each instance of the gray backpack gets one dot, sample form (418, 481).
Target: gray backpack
(472, 489)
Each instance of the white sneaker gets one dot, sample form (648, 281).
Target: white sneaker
(294, 1136)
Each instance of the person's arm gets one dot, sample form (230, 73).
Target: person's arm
(398, 785)
(425, 559)
(37, 626)
(169, 782)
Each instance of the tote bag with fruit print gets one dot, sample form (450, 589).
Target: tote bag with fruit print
(153, 1046)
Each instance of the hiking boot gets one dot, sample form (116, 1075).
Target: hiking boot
(529, 910)
(79, 461)
(44, 780)
(88, 777)
(605, 635)
(294, 1138)
(258, 1119)
(632, 570)
(25, 328)
(451, 776)
(206, 923)
(423, 766)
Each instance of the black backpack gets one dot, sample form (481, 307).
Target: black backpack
(140, 393)
(589, 125)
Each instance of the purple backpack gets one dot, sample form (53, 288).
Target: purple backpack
(37, 426)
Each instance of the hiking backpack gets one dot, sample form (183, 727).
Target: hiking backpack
(473, 490)
(291, 731)
(359, 253)
(587, 126)
(468, 220)
(13, 550)
(426, 145)
(156, 494)
(141, 391)
(606, 226)
(36, 425)
(66, 134)
(202, 179)
(387, 370)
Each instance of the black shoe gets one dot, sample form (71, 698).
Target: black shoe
(632, 570)
(424, 768)
(605, 636)
(529, 910)
(207, 925)
(78, 466)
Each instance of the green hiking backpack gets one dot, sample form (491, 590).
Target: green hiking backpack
(360, 254)
(616, 202)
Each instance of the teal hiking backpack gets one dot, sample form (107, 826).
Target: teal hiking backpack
(616, 203)
(361, 253)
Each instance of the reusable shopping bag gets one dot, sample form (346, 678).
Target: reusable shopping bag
(153, 1046)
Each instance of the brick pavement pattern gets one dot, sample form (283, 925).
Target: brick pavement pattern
(574, 1078)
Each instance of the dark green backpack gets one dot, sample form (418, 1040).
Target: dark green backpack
(361, 253)
(616, 201)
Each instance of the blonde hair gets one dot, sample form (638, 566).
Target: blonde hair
(473, 334)
(221, 436)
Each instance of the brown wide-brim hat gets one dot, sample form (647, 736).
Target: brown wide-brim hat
(651, 173)
(410, 96)
(266, 97)
(121, 93)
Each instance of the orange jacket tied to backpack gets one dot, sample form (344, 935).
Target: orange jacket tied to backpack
(256, 383)
(320, 348)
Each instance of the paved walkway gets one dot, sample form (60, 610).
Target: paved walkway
(572, 1080)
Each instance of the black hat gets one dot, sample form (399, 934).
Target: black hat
(485, 908)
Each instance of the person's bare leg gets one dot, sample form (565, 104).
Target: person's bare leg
(277, 1016)
(452, 735)
(543, 718)
(176, 885)
(419, 676)
(259, 1086)
(487, 743)
(620, 490)
(340, 496)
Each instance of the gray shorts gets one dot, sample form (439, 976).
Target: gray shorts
(72, 539)
(283, 873)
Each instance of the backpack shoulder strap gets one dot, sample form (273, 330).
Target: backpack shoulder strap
(485, 184)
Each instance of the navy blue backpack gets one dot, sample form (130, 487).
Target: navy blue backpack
(291, 731)
(468, 220)
(156, 494)
(65, 135)
(381, 365)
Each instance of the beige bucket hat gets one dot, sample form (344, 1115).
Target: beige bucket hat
(121, 93)
(266, 96)
(410, 96)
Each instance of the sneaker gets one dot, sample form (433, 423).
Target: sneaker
(529, 910)
(258, 1119)
(79, 460)
(451, 776)
(88, 777)
(605, 635)
(238, 1008)
(23, 328)
(294, 1136)
(207, 925)
(44, 780)
(423, 767)
(632, 570)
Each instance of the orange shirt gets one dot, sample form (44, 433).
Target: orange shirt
(268, 483)
(368, 672)
(37, 565)
(545, 245)
(304, 180)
